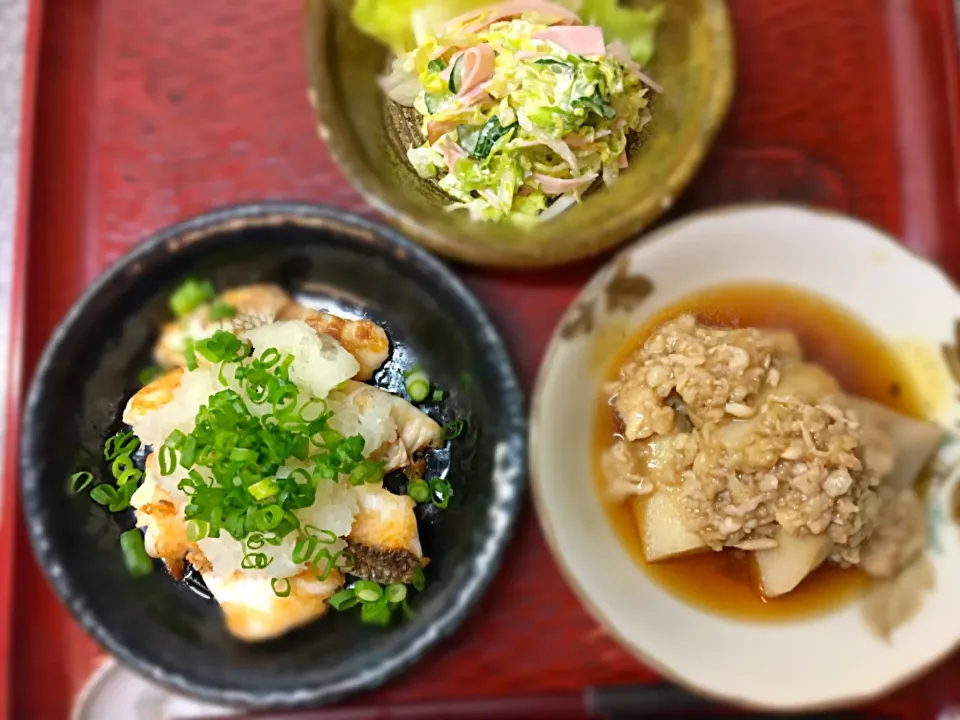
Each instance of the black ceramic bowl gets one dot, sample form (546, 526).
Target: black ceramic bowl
(164, 629)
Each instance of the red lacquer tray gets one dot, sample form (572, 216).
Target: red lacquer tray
(145, 113)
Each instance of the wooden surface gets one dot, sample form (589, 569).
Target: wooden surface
(148, 113)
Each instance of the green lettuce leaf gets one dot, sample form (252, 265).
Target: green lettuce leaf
(392, 22)
(397, 23)
(634, 27)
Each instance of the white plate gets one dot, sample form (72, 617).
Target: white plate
(115, 693)
(824, 661)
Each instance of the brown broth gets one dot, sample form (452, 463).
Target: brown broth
(725, 582)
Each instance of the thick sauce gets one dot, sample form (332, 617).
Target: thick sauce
(725, 582)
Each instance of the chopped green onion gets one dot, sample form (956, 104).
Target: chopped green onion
(419, 490)
(104, 495)
(269, 517)
(452, 429)
(375, 613)
(418, 391)
(205, 349)
(222, 311)
(396, 592)
(418, 385)
(343, 600)
(244, 455)
(124, 496)
(167, 460)
(326, 468)
(135, 555)
(122, 443)
(304, 549)
(284, 590)
(255, 560)
(367, 591)
(196, 530)
(175, 439)
(223, 346)
(366, 471)
(79, 482)
(190, 295)
(263, 489)
(149, 374)
(269, 357)
(441, 492)
(437, 396)
(418, 580)
(189, 355)
(120, 465)
(132, 476)
(328, 537)
(188, 454)
(324, 554)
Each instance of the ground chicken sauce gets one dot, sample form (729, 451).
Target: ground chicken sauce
(864, 364)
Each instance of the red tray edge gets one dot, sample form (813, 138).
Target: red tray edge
(18, 298)
(9, 513)
(919, 125)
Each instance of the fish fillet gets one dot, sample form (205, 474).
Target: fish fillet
(384, 539)
(255, 305)
(254, 612)
(363, 339)
(416, 430)
(157, 512)
(152, 396)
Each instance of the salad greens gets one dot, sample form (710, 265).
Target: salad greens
(523, 107)
(392, 22)
(634, 27)
(398, 23)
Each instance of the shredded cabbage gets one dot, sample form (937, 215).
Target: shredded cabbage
(516, 123)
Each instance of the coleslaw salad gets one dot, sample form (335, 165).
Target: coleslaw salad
(524, 108)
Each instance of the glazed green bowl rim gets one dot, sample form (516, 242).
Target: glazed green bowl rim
(319, 15)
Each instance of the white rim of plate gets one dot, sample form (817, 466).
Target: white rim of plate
(138, 699)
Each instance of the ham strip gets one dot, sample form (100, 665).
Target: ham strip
(579, 141)
(437, 130)
(479, 20)
(477, 67)
(584, 40)
(555, 186)
(622, 161)
(451, 153)
(474, 96)
(618, 51)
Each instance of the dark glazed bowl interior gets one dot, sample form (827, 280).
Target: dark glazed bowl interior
(164, 629)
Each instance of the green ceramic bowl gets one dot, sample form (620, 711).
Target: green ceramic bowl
(368, 136)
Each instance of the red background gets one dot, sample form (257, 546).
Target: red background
(148, 113)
